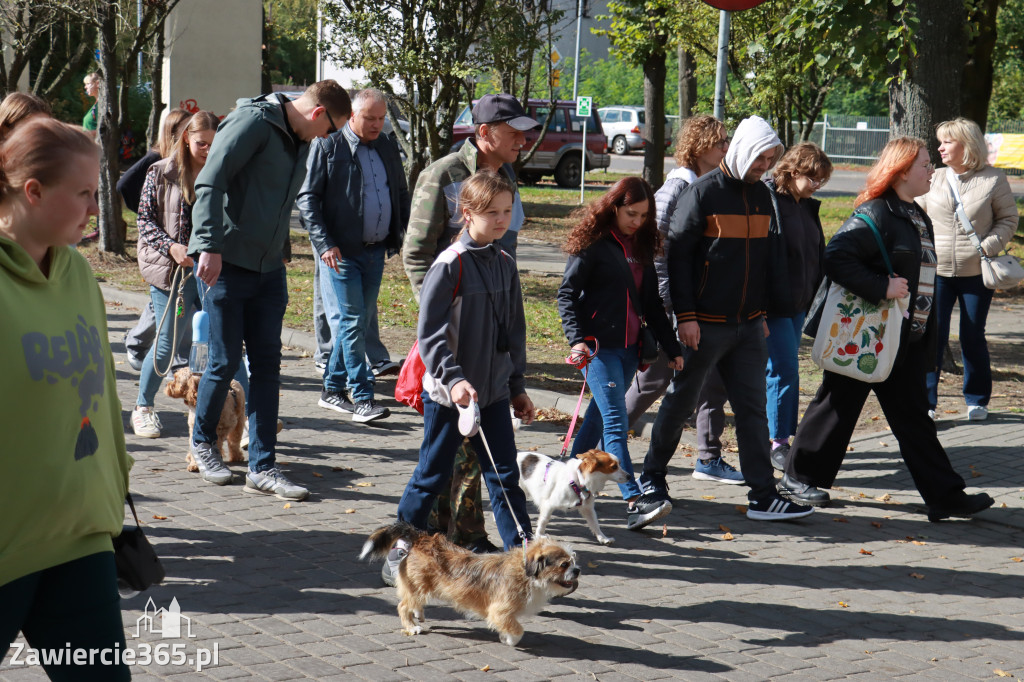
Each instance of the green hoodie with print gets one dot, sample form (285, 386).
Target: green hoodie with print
(65, 471)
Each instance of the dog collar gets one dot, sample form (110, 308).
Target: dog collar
(582, 492)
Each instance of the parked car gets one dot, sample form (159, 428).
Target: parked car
(624, 126)
(559, 153)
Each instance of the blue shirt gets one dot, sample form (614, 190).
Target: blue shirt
(376, 194)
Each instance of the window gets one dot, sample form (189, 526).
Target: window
(639, 115)
(557, 124)
(611, 116)
(465, 118)
(576, 122)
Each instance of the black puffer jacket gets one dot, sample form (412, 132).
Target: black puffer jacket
(853, 261)
(594, 295)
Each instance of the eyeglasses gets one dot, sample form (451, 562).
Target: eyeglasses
(333, 129)
(722, 144)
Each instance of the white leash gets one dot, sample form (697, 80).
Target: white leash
(469, 426)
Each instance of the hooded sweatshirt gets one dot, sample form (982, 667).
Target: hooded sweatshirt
(717, 246)
(66, 467)
(468, 294)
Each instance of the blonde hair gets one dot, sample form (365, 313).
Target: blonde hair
(40, 149)
(200, 121)
(173, 124)
(18, 106)
(696, 137)
(477, 193)
(806, 159)
(896, 159)
(967, 133)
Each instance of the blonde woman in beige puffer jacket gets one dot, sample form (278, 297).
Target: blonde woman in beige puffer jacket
(992, 210)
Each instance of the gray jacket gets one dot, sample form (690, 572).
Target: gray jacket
(468, 293)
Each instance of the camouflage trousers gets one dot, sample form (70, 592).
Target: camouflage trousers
(460, 510)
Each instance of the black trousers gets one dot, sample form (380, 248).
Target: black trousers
(825, 431)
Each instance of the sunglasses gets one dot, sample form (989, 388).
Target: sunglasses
(333, 129)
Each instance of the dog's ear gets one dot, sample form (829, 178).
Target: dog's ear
(535, 566)
(191, 390)
(587, 461)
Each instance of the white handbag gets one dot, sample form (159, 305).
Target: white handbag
(1001, 272)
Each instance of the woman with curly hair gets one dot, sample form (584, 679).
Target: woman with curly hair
(855, 261)
(608, 293)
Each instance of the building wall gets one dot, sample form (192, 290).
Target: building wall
(213, 54)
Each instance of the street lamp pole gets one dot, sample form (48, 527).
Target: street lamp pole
(724, 20)
(576, 59)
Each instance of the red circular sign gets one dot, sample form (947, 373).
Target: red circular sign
(733, 5)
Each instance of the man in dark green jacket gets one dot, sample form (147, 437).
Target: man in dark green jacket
(244, 197)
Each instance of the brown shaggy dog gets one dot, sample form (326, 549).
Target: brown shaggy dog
(500, 588)
(184, 384)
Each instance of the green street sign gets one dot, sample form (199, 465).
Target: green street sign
(583, 105)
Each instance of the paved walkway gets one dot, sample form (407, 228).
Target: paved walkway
(867, 588)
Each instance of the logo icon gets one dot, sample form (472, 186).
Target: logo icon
(171, 620)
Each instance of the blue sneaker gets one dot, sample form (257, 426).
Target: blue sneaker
(717, 469)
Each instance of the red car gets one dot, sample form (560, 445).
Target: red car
(559, 152)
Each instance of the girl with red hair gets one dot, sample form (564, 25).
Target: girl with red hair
(853, 260)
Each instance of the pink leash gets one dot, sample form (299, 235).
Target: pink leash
(580, 361)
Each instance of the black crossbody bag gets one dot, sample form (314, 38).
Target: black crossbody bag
(138, 566)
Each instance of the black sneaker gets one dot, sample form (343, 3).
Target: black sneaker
(964, 506)
(338, 402)
(774, 508)
(368, 411)
(645, 510)
(779, 455)
(802, 493)
(384, 368)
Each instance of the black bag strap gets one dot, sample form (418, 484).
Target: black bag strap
(878, 238)
(131, 503)
(634, 294)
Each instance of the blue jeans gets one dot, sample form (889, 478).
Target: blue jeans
(248, 306)
(441, 440)
(782, 375)
(606, 421)
(149, 380)
(974, 299)
(326, 317)
(355, 290)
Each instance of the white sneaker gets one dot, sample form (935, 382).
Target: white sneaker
(931, 415)
(977, 413)
(145, 422)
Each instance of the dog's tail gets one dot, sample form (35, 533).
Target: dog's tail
(383, 539)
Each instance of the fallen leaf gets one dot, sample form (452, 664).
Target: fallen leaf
(840, 519)
(742, 509)
(727, 536)
(723, 528)
(487, 667)
(664, 531)
(862, 495)
(951, 411)
(864, 551)
(875, 418)
(592, 564)
(918, 543)
(159, 518)
(1002, 506)
(364, 484)
(706, 497)
(1016, 559)
(1002, 673)
(288, 506)
(849, 448)
(876, 524)
(844, 605)
(321, 475)
(883, 498)
(643, 620)
(350, 511)
(975, 474)
(917, 576)
(341, 468)
(883, 444)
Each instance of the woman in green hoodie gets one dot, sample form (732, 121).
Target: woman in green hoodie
(65, 463)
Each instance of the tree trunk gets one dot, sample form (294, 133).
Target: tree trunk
(156, 81)
(927, 94)
(687, 84)
(112, 233)
(976, 84)
(655, 71)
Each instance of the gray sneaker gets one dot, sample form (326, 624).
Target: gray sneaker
(211, 467)
(273, 482)
(394, 560)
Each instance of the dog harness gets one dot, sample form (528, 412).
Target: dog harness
(581, 491)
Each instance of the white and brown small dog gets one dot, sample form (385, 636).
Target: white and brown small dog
(500, 588)
(553, 484)
(185, 385)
